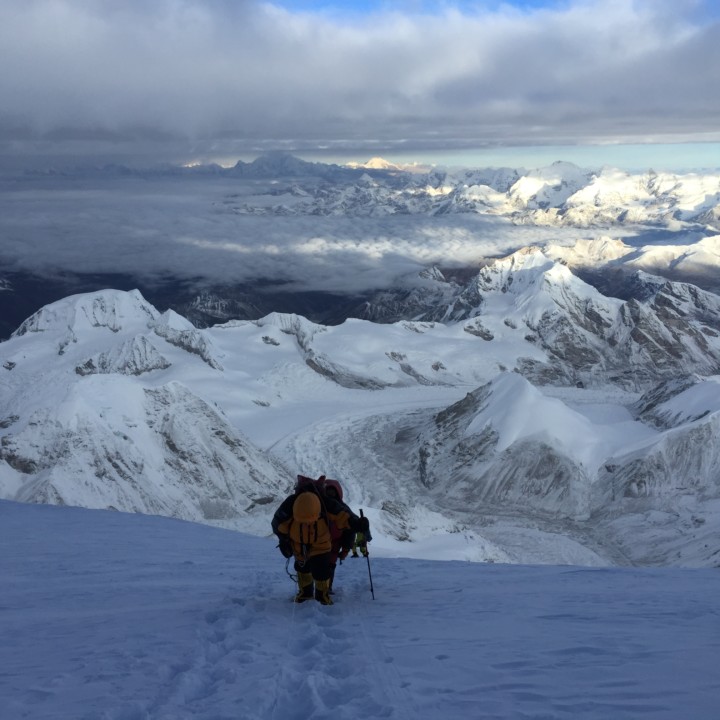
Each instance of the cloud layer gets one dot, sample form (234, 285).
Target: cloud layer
(218, 72)
(160, 228)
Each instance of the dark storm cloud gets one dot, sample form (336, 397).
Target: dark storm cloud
(218, 71)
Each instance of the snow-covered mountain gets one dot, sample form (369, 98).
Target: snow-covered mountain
(583, 336)
(78, 429)
(561, 194)
(533, 406)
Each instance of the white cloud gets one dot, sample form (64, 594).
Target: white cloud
(152, 228)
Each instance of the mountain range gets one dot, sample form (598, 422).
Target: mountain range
(560, 194)
(546, 421)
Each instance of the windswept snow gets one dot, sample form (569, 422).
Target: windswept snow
(108, 616)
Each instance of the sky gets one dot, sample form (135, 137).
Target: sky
(205, 78)
(114, 616)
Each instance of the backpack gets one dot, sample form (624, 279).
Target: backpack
(307, 483)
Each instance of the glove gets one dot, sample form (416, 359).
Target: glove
(343, 553)
(285, 546)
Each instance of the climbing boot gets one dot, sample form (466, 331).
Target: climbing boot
(305, 585)
(322, 592)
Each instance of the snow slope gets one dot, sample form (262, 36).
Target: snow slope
(109, 616)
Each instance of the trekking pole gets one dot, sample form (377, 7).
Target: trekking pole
(372, 590)
(367, 557)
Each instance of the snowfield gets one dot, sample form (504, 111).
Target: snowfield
(112, 616)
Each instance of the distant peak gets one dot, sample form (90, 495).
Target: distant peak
(375, 163)
(380, 164)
